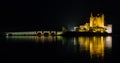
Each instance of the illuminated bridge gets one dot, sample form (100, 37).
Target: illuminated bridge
(34, 33)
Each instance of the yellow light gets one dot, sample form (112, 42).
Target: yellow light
(97, 46)
(81, 40)
(51, 38)
(43, 38)
(97, 21)
(37, 39)
(86, 44)
(59, 32)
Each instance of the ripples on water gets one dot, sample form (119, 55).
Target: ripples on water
(94, 49)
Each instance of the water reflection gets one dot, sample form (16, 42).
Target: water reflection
(108, 42)
(32, 38)
(94, 46)
(20, 38)
(44, 39)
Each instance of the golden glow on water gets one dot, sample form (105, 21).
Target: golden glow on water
(86, 44)
(42, 38)
(51, 38)
(48, 38)
(95, 45)
(81, 40)
(36, 39)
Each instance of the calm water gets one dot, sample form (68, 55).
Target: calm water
(57, 49)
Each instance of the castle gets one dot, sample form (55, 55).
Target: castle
(96, 24)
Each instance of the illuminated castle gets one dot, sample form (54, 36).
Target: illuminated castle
(97, 21)
(96, 24)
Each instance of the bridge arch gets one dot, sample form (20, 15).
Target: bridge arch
(46, 33)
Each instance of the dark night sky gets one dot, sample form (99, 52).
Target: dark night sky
(52, 14)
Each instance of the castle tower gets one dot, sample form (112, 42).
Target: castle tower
(102, 20)
(97, 21)
(91, 20)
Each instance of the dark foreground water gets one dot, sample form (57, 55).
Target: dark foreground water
(57, 49)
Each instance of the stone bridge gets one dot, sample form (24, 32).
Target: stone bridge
(38, 33)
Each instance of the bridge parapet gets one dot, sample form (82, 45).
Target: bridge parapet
(41, 33)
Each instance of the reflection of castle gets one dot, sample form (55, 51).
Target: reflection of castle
(95, 45)
(96, 24)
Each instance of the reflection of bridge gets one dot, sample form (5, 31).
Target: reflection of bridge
(38, 33)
